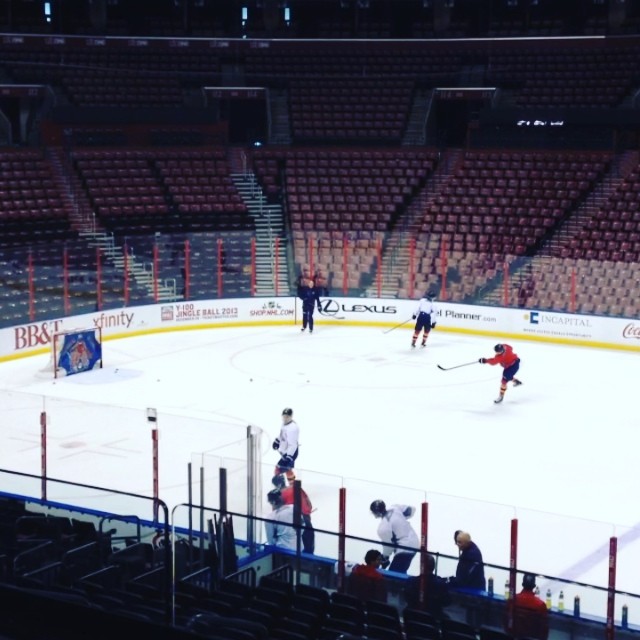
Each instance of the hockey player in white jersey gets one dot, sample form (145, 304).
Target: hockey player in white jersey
(395, 529)
(423, 315)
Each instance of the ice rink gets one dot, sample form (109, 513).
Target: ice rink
(559, 454)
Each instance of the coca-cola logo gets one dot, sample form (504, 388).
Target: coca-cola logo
(631, 331)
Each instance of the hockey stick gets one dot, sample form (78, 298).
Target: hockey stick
(398, 326)
(466, 364)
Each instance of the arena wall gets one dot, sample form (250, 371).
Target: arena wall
(513, 324)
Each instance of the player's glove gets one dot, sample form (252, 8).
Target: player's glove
(433, 325)
(482, 360)
(413, 317)
(276, 444)
(319, 308)
(385, 562)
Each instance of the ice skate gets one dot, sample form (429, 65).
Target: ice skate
(499, 399)
(423, 345)
(516, 383)
(413, 345)
(303, 329)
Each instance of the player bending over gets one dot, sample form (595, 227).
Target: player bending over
(510, 362)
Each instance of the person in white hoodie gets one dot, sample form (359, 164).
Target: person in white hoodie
(395, 531)
(279, 523)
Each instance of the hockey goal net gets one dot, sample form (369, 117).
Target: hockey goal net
(74, 352)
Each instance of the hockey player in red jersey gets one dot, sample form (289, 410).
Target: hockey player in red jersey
(509, 361)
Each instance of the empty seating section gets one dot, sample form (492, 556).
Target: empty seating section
(350, 109)
(434, 62)
(598, 76)
(589, 286)
(510, 202)
(123, 77)
(162, 190)
(613, 231)
(345, 199)
(32, 202)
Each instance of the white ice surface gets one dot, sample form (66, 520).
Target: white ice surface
(559, 454)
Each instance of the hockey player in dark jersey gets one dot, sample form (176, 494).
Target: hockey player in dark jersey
(509, 361)
(423, 316)
(309, 294)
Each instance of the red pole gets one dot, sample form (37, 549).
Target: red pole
(156, 473)
(253, 267)
(443, 267)
(379, 274)
(513, 564)
(572, 301)
(276, 267)
(412, 266)
(155, 272)
(505, 293)
(126, 275)
(424, 531)
(187, 268)
(31, 285)
(99, 277)
(341, 537)
(65, 282)
(220, 292)
(43, 453)
(345, 263)
(611, 596)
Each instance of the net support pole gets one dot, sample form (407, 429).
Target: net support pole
(31, 285)
(252, 485)
(513, 572)
(505, 282)
(412, 266)
(345, 264)
(65, 282)
(152, 419)
(611, 594)
(276, 266)
(443, 267)
(341, 538)
(155, 271)
(43, 454)
(126, 275)
(187, 269)
(220, 261)
(424, 535)
(379, 273)
(253, 267)
(223, 518)
(99, 278)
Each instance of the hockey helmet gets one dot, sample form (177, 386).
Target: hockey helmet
(430, 295)
(499, 348)
(279, 481)
(378, 508)
(287, 412)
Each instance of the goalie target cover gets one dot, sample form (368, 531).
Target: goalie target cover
(77, 351)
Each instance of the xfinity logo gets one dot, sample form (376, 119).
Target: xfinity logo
(333, 307)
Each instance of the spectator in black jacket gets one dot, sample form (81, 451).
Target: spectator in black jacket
(470, 569)
(437, 595)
